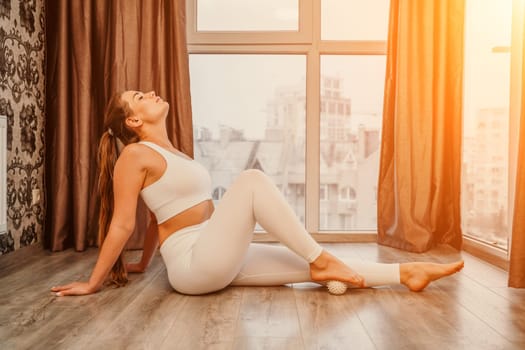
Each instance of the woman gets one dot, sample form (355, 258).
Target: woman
(206, 249)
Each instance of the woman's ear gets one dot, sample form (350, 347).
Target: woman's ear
(133, 122)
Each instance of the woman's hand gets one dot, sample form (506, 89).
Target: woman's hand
(135, 268)
(75, 288)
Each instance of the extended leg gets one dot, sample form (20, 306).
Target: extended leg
(267, 265)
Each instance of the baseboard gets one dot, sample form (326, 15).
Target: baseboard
(325, 237)
(495, 256)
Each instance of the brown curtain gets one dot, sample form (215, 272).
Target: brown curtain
(517, 247)
(96, 48)
(419, 177)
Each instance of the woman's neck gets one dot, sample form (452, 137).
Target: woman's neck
(161, 141)
(159, 138)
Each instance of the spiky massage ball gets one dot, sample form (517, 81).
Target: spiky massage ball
(336, 287)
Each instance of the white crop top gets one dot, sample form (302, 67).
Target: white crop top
(183, 184)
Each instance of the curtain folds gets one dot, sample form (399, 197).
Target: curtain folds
(96, 48)
(419, 176)
(517, 247)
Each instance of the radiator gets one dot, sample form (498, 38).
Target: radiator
(3, 174)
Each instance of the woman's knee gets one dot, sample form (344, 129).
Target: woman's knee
(253, 174)
(252, 180)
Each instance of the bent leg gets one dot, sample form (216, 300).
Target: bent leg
(221, 248)
(267, 265)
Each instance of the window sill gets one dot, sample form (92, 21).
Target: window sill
(486, 252)
(332, 237)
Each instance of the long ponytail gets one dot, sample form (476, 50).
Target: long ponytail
(108, 150)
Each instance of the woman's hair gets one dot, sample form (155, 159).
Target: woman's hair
(115, 129)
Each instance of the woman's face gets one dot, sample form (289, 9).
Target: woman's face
(146, 105)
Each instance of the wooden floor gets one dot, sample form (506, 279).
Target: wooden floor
(471, 310)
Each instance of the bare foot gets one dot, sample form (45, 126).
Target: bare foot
(417, 275)
(327, 267)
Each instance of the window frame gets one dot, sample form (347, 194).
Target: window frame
(249, 37)
(516, 66)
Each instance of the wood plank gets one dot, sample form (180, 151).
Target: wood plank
(468, 303)
(21, 258)
(146, 321)
(484, 273)
(78, 318)
(328, 321)
(106, 306)
(25, 298)
(427, 320)
(268, 312)
(478, 283)
(268, 343)
(46, 275)
(205, 322)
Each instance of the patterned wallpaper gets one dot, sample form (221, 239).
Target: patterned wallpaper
(22, 67)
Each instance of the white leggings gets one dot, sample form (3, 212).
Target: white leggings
(217, 253)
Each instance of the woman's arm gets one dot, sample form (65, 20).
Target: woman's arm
(151, 242)
(110, 251)
(128, 177)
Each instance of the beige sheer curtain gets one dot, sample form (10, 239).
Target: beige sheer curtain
(95, 48)
(419, 180)
(517, 248)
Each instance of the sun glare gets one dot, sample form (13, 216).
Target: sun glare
(488, 28)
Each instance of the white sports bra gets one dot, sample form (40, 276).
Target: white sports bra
(183, 184)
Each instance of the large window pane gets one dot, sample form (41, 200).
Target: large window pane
(486, 120)
(247, 15)
(354, 19)
(351, 115)
(249, 112)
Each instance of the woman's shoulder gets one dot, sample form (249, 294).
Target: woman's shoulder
(136, 149)
(136, 153)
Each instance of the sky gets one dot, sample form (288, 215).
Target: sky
(223, 86)
(487, 74)
(247, 14)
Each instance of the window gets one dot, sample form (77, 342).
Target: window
(218, 192)
(251, 107)
(354, 19)
(486, 118)
(323, 192)
(293, 88)
(247, 15)
(347, 194)
(299, 190)
(360, 137)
